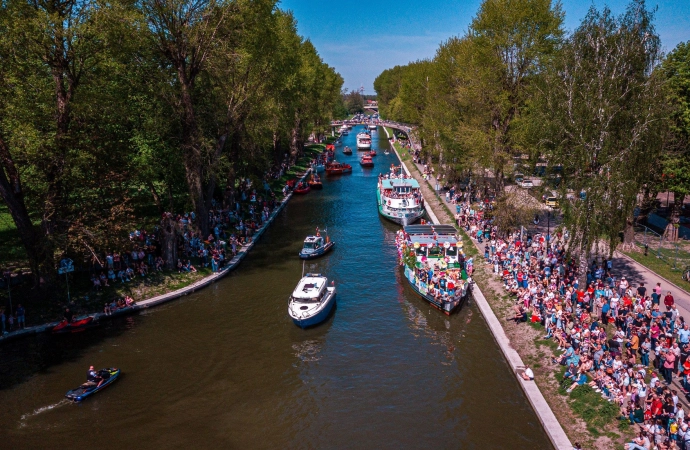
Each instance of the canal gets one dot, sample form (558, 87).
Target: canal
(226, 367)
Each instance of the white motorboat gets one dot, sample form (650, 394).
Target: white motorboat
(312, 300)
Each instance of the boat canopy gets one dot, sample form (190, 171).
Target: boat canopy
(310, 288)
(430, 230)
(398, 182)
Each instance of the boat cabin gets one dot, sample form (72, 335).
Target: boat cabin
(435, 244)
(399, 187)
(310, 289)
(313, 242)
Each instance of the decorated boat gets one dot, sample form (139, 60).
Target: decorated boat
(315, 246)
(347, 150)
(312, 300)
(315, 181)
(434, 264)
(363, 141)
(400, 199)
(366, 161)
(336, 168)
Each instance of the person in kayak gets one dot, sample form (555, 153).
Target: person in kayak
(69, 316)
(92, 378)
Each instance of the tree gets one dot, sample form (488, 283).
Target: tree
(675, 69)
(49, 51)
(354, 102)
(185, 33)
(601, 120)
(510, 41)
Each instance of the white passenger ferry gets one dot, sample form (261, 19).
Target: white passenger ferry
(363, 141)
(400, 199)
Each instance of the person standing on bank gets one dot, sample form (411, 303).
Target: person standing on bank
(20, 317)
(668, 301)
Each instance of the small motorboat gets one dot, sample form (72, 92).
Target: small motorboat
(315, 182)
(315, 246)
(336, 168)
(75, 326)
(85, 390)
(347, 150)
(312, 300)
(372, 153)
(302, 188)
(386, 152)
(366, 161)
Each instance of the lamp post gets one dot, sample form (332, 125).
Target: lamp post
(548, 226)
(8, 279)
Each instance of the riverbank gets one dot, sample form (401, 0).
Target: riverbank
(552, 424)
(174, 291)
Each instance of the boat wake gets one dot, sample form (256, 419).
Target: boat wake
(308, 351)
(42, 410)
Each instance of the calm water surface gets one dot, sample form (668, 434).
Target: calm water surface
(226, 366)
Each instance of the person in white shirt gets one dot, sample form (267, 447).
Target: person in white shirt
(527, 375)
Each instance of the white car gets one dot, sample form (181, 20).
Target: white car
(527, 184)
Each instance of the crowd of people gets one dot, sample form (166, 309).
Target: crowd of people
(231, 227)
(625, 341)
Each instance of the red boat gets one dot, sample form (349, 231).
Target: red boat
(302, 188)
(75, 326)
(372, 153)
(335, 168)
(366, 161)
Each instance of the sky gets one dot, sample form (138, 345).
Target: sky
(361, 39)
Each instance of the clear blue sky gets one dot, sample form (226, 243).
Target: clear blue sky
(363, 38)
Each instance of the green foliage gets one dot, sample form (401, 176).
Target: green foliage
(592, 408)
(112, 112)
(599, 118)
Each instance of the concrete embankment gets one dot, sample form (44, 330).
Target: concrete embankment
(169, 296)
(546, 416)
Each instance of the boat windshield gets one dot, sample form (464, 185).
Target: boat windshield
(434, 252)
(452, 251)
(312, 245)
(421, 251)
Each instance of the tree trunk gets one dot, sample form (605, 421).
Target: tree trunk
(671, 232)
(629, 235)
(155, 196)
(191, 149)
(169, 241)
(12, 194)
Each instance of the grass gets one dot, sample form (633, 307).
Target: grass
(660, 267)
(11, 249)
(593, 409)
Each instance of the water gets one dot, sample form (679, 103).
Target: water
(226, 366)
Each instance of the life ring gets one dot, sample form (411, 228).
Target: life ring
(446, 244)
(389, 202)
(416, 245)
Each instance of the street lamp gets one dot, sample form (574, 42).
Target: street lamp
(548, 225)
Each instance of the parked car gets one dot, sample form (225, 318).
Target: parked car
(527, 184)
(552, 202)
